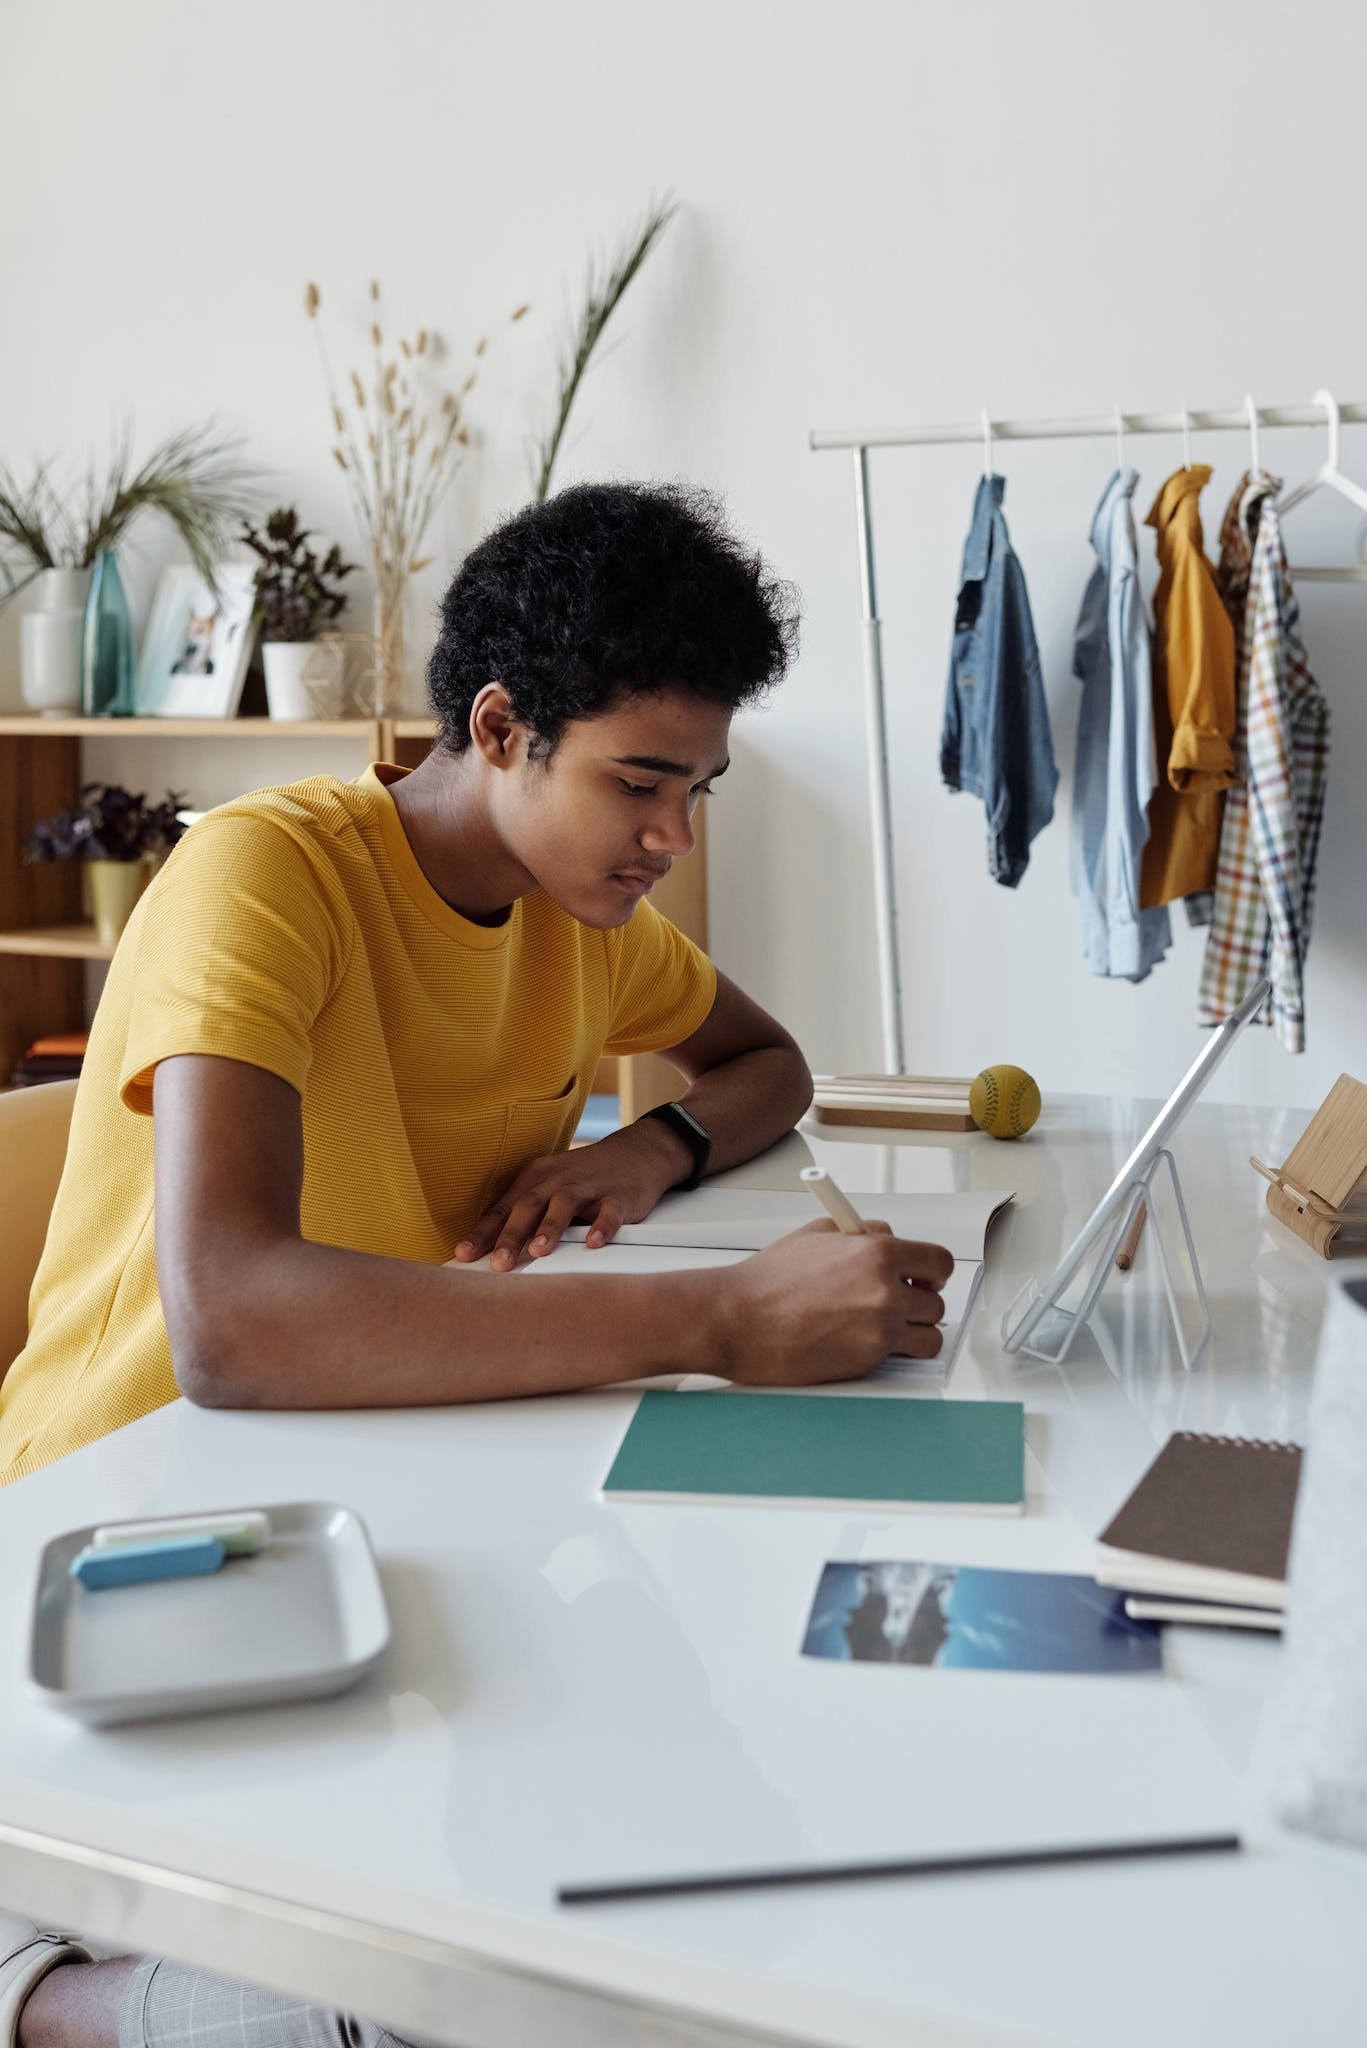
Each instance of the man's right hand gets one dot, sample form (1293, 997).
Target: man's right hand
(819, 1305)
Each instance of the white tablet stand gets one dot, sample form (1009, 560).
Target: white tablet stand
(1052, 1327)
(1037, 1321)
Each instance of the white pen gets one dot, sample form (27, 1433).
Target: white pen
(836, 1203)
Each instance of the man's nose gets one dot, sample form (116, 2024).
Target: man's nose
(669, 832)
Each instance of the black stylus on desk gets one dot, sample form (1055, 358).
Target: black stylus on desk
(912, 1866)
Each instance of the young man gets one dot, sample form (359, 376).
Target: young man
(343, 1047)
(349, 1032)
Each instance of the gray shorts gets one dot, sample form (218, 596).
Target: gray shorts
(167, 2007)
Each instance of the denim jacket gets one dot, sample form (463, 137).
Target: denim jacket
(1116, 768)
(996, 742)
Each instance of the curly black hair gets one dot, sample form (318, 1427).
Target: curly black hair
(606, 591)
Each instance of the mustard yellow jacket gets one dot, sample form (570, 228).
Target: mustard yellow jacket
(1193, 700)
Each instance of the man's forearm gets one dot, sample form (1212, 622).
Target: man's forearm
(748, 1103)
(295, 1324)
(259, 1316)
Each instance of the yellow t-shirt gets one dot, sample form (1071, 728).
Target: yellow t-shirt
(295, 930)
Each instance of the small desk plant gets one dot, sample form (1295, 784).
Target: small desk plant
(298, 596)
(76, 639)
(122, 840)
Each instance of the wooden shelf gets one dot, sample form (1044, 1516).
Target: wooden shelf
(58, 942)
(44, 945)
(189, 728)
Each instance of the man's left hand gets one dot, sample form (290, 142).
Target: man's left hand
(615, 1181)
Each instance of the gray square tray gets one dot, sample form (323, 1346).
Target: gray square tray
(304, 1617)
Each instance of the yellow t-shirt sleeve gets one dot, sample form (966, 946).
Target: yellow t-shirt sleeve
(662, 985)
(240, 942)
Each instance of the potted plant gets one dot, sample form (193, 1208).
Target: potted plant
(297, 597)
(55, 542)
(400, 444)
(120, 837)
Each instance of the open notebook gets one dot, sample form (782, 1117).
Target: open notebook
(718, 1226)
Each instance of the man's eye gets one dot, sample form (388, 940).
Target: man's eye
(638, 788)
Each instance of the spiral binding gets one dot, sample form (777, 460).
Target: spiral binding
(1248, 1443)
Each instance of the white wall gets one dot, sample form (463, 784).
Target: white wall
(892, 212)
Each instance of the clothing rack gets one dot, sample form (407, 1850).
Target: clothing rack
(1247, 420)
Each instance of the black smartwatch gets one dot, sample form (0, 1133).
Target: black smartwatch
(694, 1136)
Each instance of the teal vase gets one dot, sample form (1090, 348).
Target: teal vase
(107, 669)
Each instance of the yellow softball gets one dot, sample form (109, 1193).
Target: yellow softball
(1004, 1101)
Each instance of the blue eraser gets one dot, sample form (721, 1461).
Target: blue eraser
(181, 1557)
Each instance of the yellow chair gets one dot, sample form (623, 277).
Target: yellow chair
(33, 1130)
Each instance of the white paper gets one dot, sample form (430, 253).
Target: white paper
(749, 1219)
(617, 1257)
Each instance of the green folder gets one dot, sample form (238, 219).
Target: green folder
(824, 1450)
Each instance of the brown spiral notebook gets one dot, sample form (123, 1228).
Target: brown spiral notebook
(1210, 1520)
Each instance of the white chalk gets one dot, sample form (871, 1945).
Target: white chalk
(241, 1531)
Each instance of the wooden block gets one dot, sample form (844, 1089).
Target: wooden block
(900, 1116)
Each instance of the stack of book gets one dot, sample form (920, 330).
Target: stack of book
(1205, 1535)
(51, 1059)
(913, 1102)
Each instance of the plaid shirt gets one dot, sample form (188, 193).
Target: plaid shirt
(1269, 840)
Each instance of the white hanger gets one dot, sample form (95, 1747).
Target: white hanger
(987, 442)
(1328, 474)
(1254, 460)
(1119, 436)
(1186, 436)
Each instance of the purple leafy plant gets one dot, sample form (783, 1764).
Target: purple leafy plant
(109, 823)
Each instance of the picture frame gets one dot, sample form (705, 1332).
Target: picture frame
(198, 644)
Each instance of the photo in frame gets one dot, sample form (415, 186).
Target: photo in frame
(198, 644)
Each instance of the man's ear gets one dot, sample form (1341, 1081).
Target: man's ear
(494, 730)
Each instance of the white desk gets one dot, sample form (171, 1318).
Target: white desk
(575, 1688)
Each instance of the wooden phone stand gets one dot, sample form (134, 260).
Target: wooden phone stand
(1321, 1190)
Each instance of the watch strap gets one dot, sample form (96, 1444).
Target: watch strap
(694, 1135)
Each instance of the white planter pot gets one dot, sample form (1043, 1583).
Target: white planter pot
(50, 642)
(61, 590)
(304, 678)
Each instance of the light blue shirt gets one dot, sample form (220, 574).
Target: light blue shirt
(1115, 771)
